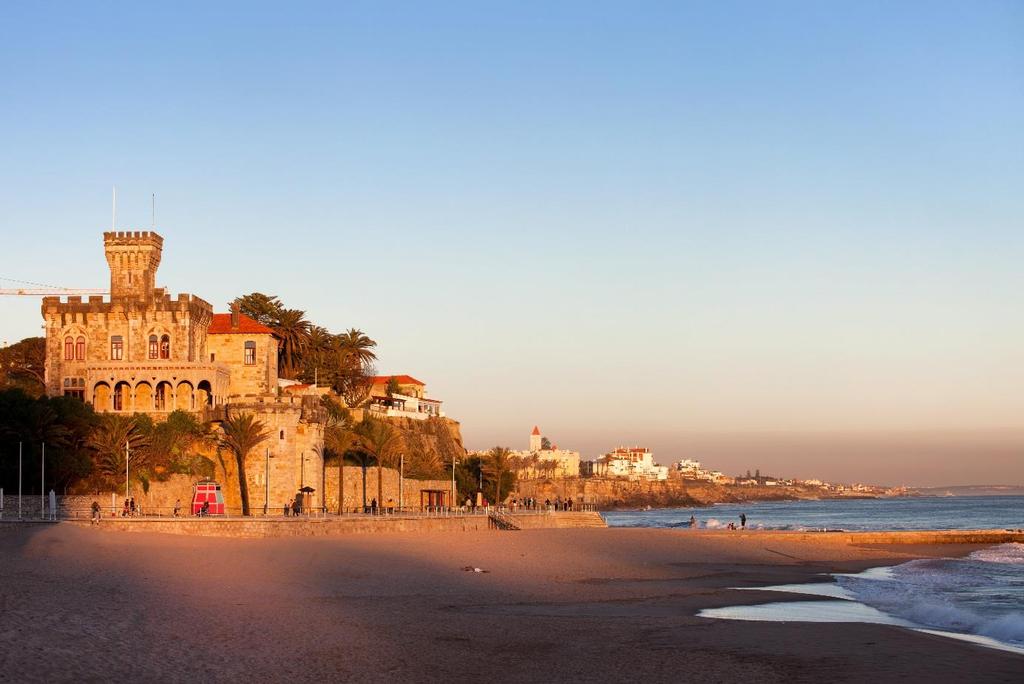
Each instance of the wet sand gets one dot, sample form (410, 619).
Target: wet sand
(84, 604)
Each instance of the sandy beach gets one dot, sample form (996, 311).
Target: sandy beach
(86, 604)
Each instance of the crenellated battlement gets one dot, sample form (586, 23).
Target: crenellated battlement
(133, 237)
(133, 257)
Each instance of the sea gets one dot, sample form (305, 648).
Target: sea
(979, 597)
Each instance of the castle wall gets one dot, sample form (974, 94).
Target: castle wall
(295, 445)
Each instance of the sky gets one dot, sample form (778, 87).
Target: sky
(774, 235)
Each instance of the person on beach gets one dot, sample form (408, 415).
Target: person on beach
(95, 513)
(743, 520)
(693, 521)
(177, 508)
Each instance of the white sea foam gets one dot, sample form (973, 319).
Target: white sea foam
(1012, 553)
(980, 594)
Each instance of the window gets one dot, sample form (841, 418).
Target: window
(69, 348)
(165, 347)
(282, 434)
(213, 357)
(80, 349)
(74, 387)
(154, 347)
(116, 349)
(250, 353)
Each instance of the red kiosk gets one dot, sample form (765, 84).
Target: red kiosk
(207, 492)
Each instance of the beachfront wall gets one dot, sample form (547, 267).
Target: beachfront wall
(354, 488)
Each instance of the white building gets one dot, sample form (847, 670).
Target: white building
(693, 470)
(408, 398)
(633, 463)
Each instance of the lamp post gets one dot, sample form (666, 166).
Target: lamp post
(452, 503)
(19, 480)
(266, 493)
(127, 455)
(401, 482)
(42, 484)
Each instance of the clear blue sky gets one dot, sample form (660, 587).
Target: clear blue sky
(657, 223)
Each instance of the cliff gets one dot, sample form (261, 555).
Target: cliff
(429, 445)
(619, 493)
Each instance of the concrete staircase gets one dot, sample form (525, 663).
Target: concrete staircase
(579, 519)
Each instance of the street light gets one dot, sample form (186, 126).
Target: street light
(266, 493)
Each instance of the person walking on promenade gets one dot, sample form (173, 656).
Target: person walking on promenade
(124, 511)
(373, 506)
(743, 520)
(287, 507)
(95, 513)
(177, 508)
(295, 507)
(131, 506)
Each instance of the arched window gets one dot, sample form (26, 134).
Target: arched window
(80, 348)
(116, 349)
(250, 353)
(165, 347)
(69, 348)
(282, 434)
(154, 347)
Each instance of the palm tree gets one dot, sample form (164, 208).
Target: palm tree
(338, 440)
(242, 434)
(355, 348)
(317, 366)
(108, 442)
(364, 460)
(382, 441)
(292, 328)
(499, 461)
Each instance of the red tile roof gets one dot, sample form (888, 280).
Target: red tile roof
(400, 379)
(221, 325)
(536, 430)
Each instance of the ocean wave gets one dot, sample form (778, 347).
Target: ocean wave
(1012, 553)
(978, 594)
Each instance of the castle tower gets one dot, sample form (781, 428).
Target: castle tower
(535, 439)
(133, 257)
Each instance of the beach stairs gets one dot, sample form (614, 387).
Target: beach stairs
(579, 519)
(497, 520)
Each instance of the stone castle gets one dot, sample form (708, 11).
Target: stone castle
(144, 351)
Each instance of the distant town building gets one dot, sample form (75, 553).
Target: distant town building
(693, 470)
(538, 461)
(632, 463)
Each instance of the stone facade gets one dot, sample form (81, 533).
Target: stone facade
(140, 351)
(416, 492)
(292, 457)
(248, 349)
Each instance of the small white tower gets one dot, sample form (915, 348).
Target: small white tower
(535, 439)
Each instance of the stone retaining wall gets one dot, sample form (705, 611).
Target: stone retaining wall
(333, 525)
